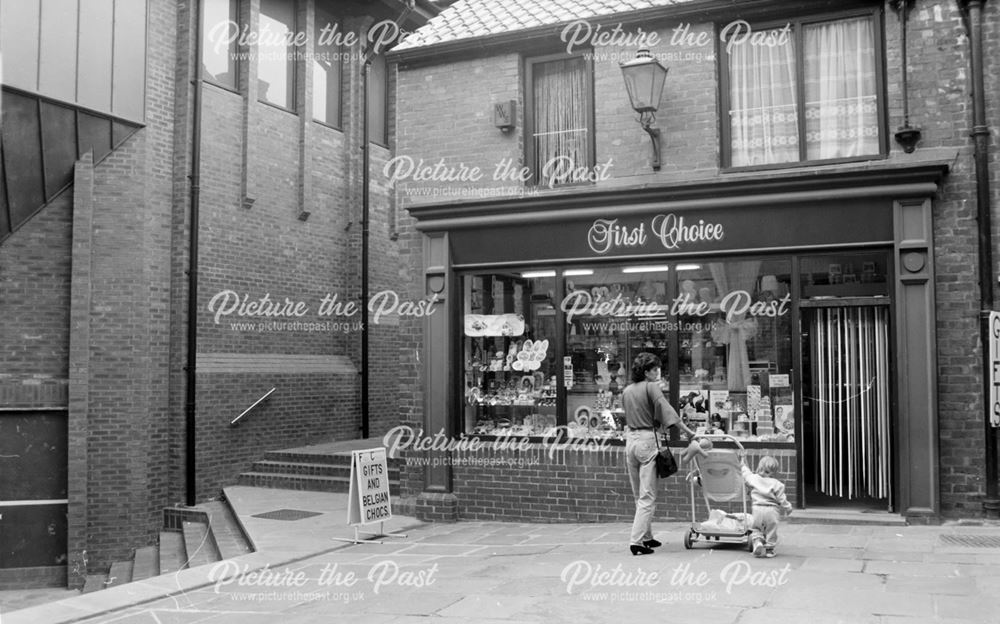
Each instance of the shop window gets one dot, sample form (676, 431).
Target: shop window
(845, 275)
(612, 314)
(220, 35)
(326, 67)
(559, 120)
(801, 91)
(733, 323)
(276, 53)
(378, 90)
(509, 354)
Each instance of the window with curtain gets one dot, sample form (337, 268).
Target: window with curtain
(326, 67)
(378, 89)
(560, 123)
(275, 59)
(821, 106)
(220, 28)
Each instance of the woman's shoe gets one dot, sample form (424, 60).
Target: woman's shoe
(652, 543)
(640, 550)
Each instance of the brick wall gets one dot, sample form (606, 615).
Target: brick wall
(438, 125)
(576, 484)
(35, 282)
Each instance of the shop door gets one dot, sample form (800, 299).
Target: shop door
(847, 442)
(33, 478)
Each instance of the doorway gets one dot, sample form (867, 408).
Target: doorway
(33, 498)
(847, 424)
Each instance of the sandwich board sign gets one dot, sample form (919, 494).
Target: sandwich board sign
(368, 496)
(369, 492)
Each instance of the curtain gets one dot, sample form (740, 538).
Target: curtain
(763, 112)
(560, 111)
(841, 106)
(850, 353)
(730, 276)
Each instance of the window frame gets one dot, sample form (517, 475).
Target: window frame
(326, 8)
(234, 49)
(373, 104)
(293, 65)
(798, 24)
(529, 63)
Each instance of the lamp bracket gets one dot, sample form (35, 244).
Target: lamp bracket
(646, 120)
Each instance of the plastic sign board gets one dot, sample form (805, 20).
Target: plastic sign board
(369, 491)
(994, 353)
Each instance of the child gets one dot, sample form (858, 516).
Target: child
(701, 446)
(769, 504)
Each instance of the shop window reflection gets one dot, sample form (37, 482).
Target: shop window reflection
(734, 335)
(612, 315)
(510, 383)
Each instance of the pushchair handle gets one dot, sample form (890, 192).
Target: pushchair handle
(724, 437)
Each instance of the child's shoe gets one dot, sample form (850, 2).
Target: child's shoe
(758, 547)
(769, 554)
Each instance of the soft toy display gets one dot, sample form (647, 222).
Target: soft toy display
(698, 447)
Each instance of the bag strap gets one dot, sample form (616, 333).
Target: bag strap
(652, 407)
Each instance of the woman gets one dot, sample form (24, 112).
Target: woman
(645, 409)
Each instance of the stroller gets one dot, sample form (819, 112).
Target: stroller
(718, 476)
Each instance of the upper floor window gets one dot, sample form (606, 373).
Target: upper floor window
(220, 34)
(801, 92)
(326, 64)
(378, 94)
(559, 123)
(276, 53)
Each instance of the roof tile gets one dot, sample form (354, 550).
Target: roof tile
(468, 19)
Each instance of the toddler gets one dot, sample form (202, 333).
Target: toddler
(769, 504)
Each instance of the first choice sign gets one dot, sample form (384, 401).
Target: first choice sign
(369, 492)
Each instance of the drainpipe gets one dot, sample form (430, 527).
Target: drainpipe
(980, 134)
(192, 308)
(365, 212)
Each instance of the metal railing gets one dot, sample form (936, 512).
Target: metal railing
(233, 422)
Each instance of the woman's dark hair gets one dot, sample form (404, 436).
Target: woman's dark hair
(642, 363)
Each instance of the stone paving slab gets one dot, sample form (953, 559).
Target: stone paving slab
(497, 573)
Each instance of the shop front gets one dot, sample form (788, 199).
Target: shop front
(800, 322)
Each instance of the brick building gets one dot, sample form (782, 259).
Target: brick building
(109, 140)
(805, 263)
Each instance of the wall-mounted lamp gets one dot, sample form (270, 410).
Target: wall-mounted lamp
(644, 78)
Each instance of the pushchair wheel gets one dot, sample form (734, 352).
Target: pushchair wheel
(688, 539)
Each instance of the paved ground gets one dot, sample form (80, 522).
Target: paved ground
(505, 573)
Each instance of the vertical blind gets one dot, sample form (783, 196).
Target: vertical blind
(851, 402)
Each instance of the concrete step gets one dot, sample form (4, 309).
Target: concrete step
(823, 515)
(335, 458)
(200, 544)
(95, 582)
(145, 563)
(172, 553)
(316, 469)
(227, 532)
(310, 483)
(121, 573)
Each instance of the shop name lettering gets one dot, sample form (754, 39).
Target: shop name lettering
(383, 303)
(735, 305)
(736, 33)
(669, 229)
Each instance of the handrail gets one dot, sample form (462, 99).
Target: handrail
(250, 409)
